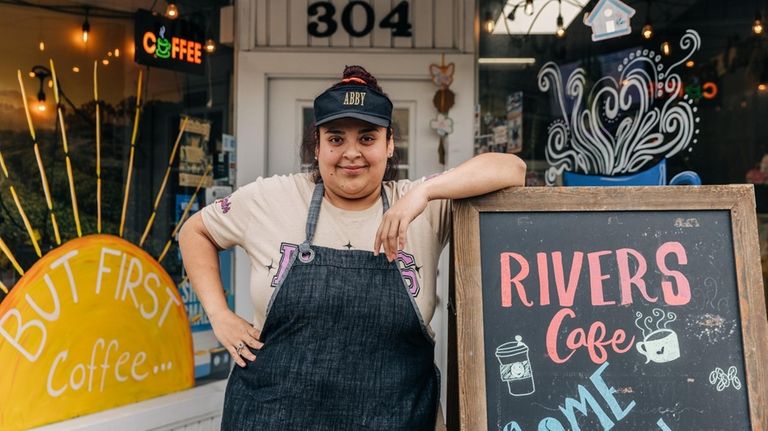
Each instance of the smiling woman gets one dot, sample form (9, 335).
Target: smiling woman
(317, 273)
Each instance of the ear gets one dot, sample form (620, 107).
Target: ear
(391, 144)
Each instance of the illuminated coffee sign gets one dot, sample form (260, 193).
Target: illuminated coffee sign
(170, 44)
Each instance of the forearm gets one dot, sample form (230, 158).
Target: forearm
(481, 174)
(201, 261)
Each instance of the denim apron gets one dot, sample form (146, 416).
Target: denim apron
(344, 348)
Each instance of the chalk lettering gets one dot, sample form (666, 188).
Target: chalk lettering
(594, 340)
(507, 280)
(682, 295)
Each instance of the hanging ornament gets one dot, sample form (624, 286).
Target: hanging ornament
(609, 19)
(444, 100)
(443, 125)
(442, 76)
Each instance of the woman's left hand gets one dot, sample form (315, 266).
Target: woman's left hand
(392, 233)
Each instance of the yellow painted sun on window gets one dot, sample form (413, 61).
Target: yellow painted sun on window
(96, 322)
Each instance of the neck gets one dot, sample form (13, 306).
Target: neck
(353, 204)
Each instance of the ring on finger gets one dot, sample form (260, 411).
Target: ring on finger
(239, 348)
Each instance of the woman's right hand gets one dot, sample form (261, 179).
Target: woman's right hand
(235, 333)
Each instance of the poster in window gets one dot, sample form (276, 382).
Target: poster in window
(515, 122)
(193, 153)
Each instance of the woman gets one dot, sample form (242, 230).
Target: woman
(340, 338)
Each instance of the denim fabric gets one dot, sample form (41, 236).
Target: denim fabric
(343, 350)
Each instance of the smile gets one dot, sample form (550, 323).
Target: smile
(352, 169)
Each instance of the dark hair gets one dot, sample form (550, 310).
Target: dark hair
(311, 139)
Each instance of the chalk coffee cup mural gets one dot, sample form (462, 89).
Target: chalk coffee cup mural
(659, 345)
(515, 367)
(620, 129)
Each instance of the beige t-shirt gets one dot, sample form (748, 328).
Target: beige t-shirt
(268, 217)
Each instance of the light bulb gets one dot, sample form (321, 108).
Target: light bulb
(647, 31)
(757, 27)
(105, 62)
(172, 11)
(210, 46)
(76, 69)
(489, 24)
(117, 52)
(41, 106)
(42, 46)
(86, 29)
(666, 48)
(560, 28)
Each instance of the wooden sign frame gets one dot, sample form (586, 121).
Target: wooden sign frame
(738, 199)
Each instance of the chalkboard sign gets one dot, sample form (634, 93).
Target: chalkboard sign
(637, 308)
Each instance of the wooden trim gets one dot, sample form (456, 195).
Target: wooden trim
(738, 199)
(469, 317)
(749, 279)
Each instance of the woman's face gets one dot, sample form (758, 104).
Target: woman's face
(352, 157)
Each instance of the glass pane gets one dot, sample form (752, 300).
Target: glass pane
(401, 127)
(307, 118)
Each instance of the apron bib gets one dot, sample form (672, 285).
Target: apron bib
(344, 348)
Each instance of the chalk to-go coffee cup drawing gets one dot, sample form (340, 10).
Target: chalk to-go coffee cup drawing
(515, 367)
(659, 345)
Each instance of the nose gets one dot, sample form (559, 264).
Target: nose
(352, 151)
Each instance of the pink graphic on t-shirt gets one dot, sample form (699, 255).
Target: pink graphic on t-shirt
(287, 251)
(225, 204)
(408, 270)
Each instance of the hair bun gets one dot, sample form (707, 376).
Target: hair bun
(358, 73)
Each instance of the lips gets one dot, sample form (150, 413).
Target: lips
(353, 169)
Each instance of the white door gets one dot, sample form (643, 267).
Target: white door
(290, 113)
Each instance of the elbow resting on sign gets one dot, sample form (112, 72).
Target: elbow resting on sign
(515, 269)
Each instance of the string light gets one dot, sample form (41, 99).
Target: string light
(76, 69)
(172, 11)
(105, 62)
(210, 46)
(666, 48)
(689, 64)
(117, 52)
(647, 30)
(757, 26)
(489, 24)
(42, 74)
(86, 27)
(42, 46)
(560, 32)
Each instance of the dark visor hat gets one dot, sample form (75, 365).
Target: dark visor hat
(353, 101)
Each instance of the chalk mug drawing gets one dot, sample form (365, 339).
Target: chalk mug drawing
(515, 367)
(660, 346)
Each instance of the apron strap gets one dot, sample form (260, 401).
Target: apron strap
(306, 254)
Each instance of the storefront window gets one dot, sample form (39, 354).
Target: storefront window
(198, 101)
(723, 78)
(678, 83)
